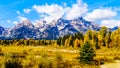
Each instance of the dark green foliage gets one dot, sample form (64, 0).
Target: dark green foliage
(78, 36)
(72, 40)
(13, 64)
(97, 46)
(64, 38)
(103, 31)
(61, 40)
(26, 42)
(96, 42)
(86, 53)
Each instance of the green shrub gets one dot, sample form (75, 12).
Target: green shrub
(13, 63)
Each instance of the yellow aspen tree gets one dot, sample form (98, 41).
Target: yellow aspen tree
(76, 43)
(67, 43)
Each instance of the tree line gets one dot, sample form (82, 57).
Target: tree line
(102, 38)
(28, 42)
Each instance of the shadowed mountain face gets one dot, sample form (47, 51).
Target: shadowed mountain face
(1, 30)
(24, 30)
(114, 28)
(53, 30)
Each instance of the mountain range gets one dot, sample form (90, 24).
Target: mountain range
(43, 30)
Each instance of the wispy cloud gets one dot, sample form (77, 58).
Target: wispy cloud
(100, 14)
(77, 10)
(8, 21)
(15, 22)
(27, 10)
(21, 18)
(110, 23)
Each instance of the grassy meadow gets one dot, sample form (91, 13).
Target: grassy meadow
(54, 56)
(47, 56)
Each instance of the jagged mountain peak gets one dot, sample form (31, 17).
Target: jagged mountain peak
(25, 22)
(25, 29)
(40, 23)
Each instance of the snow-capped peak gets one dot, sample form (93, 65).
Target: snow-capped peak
(25, 22)
(43, 30)
(39, 23)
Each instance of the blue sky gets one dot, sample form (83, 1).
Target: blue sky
(103, 12)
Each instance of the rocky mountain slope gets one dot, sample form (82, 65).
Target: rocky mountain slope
(53, 30)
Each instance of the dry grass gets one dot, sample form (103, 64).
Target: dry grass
(33, 54)
(68, 54)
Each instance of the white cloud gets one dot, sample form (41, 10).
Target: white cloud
(15, 22)
(110, 23)
(8, 21)
(27, 10)
(54, 11)
(18, 12)
(100, 14)
(77, 10)
(49, 9)
(21, 18)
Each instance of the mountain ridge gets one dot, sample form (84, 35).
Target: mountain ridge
(54, 30)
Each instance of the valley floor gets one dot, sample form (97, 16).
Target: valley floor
(68, 55)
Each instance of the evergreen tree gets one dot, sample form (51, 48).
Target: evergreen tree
(86, 53)
(59, 41)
